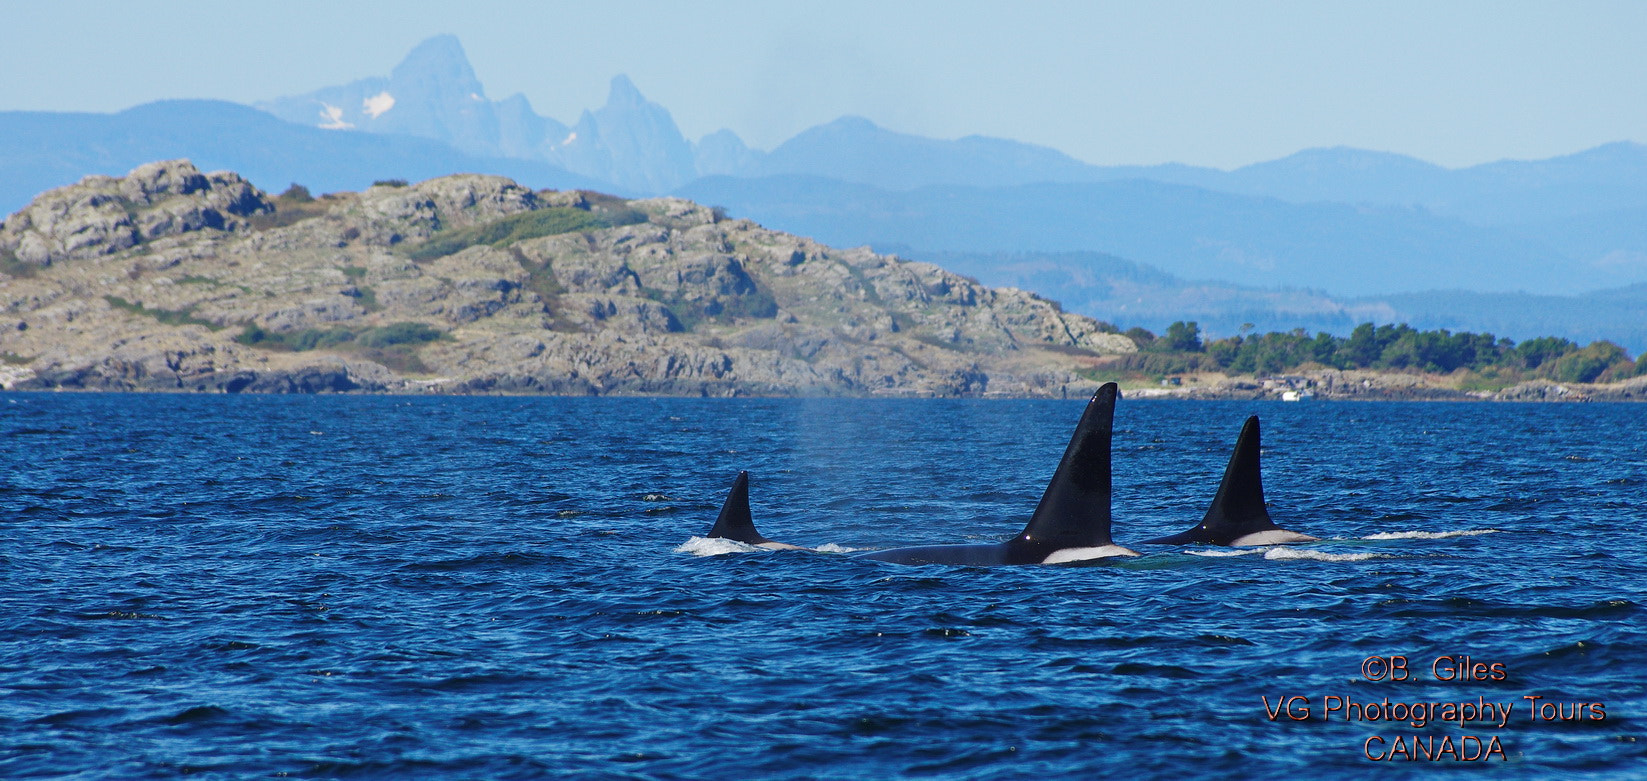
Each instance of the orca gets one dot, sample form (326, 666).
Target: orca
(1072, 521)
(1237, 516)
(737, 524)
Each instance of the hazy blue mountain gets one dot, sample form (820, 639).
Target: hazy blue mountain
(1616, 240)
(722, 153)
(1618, 315)
(1587, 205)
(43, 150)
(1134, 294)
(1584, 206)
(521, 132)
(434, 94)
(1341, 174)
(1510, 192)
(1190, 232)
(1580, 205)
(1513, 192)
(631, 141)
(854, 149)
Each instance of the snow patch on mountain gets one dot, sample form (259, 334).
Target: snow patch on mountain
(375, 105)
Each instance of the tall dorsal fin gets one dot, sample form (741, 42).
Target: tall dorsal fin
(1238, 507)
(735, 522)
(1074, 511)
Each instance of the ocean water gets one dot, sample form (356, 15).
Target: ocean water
(398, 587)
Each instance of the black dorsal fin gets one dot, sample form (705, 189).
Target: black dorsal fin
(735, 521)
(1074, 511)
(1238, 507)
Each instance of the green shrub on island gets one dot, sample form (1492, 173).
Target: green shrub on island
(165, 316)
(293, 205)
(391, 335)
(297, 193)
(1386, 347)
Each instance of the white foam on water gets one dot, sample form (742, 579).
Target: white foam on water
(713, 546)
(1427, 535)
(1223, 553)
(1293, 554)
(830, 547)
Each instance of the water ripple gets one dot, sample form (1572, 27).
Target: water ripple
(514, 588)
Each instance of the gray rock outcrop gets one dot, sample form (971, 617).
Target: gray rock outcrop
(103, 215)
(161, 280)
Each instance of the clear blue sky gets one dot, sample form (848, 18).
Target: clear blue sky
(1221, 84)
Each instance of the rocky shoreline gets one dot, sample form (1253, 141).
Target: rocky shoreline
(1362, 385)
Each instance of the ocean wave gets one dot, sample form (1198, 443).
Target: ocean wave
(1224, 553)
(830, 547)
(1415, 535)
(713, 546)
(1295, 554)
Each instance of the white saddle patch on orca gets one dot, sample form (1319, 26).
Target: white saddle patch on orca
(1270, 537)
(1068, 555)
(773, 545)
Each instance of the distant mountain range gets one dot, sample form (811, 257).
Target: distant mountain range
(1138, 294)
(41, 150)
(1342, 225)
(1187, 231)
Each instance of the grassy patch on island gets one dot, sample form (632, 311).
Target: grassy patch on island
(394, 345)
(165, 316)
(757, 304)
(12, 267)
(520, 227)
(294, 205)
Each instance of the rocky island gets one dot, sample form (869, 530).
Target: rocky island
(171, 279)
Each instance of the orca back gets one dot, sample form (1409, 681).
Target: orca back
(1238, 508)
(735, 522)
(1074, 512)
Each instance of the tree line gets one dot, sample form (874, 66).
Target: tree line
(1182, 350)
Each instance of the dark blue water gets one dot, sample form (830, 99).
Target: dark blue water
(491, 588)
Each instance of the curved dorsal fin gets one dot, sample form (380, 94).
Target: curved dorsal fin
(1074, 512)
(1238, 507)
(735, 522)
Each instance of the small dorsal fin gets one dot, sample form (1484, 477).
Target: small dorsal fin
(1075, 510)
(735, 522)
(1238, 507)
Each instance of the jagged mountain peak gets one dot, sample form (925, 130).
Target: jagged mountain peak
(630, 141)
(440, 59)
(623, 93)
